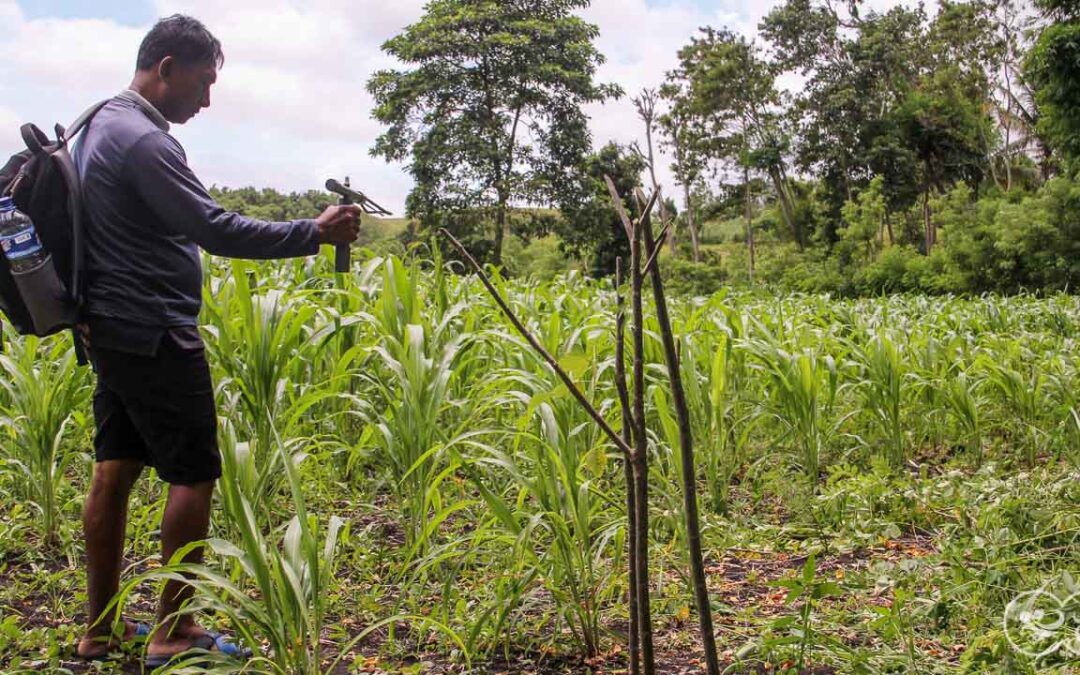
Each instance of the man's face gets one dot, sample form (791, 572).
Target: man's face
(186, 89)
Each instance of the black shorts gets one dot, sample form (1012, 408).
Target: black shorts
(158, 410)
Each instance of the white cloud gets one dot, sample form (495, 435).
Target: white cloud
(290, 108)
(9, 130)
(79, 55)
(641, 43)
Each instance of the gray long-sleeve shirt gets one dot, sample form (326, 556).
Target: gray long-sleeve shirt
(147, 217)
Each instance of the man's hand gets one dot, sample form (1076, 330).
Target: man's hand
(339, 224)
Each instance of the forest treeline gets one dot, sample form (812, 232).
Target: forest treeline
(840, 149)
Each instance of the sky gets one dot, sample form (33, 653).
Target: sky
(290, 108)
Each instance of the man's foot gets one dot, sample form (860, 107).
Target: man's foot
(183, 639)
(92, 647)
(163, 651)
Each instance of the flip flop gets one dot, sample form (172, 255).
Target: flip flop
(225, 646)
(211, 642)
(142, 631)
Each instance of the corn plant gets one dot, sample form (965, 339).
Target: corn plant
(44, 392)
(1024, 395)
(715, 382)
(963, 400)
(881, 382)
(931, 365)
(554, 508)
(416, 366)
(262, 344)
(273, 590)
(802, 391)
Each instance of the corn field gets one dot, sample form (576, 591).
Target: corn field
(409, 488)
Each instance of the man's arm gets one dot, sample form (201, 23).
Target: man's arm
(157, 168)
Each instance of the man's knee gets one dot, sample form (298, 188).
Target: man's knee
(190, 501)
(115, 477)
(200, 490)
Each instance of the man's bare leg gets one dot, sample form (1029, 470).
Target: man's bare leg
(104, 524)
(187, 519)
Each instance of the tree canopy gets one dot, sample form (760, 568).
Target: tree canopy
(487, 108)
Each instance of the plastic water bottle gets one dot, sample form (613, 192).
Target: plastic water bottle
(19, 239)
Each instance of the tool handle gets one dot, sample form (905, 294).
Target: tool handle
(342, 261)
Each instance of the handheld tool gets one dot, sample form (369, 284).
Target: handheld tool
(342, 260)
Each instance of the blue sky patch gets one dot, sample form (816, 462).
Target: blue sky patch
(125, 12)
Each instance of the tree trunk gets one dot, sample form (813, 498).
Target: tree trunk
(632, 564)
(500, 231)
(691, 227)
(928, 225)
(640, 475)
(787, 210)
(695, 243)
(1008, 127)
(994, 173)
(1046, 161)
(847, 178)
(749, 219)
(888, 227)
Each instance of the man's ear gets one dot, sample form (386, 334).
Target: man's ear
(165, 67)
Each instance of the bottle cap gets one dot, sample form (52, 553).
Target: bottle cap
(6, 204)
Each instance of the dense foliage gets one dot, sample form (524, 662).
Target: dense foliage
(487, 111)
(405, 482)
(871, 293)
(851, 182)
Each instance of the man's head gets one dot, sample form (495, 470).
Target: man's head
(178, 62)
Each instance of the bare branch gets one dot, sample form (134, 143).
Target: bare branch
(646, 206)
(628, 467)
(619, 208)
(592, 411)
(657, 244)
(686, 452)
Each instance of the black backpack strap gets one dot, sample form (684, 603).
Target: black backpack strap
(71, 177)
(80, 122)
(80, 349)
(35, 140)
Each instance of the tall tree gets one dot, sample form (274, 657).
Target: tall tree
(946, 129)
(965, 43)
(857, 70)
(1053, 69)
(590, 225)
(733, 89)
(488, 111)
(684, 136)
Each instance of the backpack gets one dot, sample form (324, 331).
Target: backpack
(44, 184)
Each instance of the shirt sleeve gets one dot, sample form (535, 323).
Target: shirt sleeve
(157, 167)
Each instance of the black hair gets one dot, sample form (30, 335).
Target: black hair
(182, 37)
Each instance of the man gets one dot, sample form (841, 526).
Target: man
(148, 215)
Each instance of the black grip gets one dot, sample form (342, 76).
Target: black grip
(342, 261)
